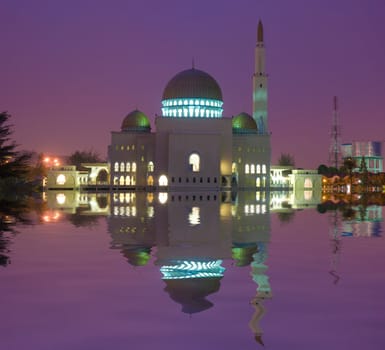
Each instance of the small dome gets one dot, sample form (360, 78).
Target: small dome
(136, 121)
(244, 123)
(192, 83)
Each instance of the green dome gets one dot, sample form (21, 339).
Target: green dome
(244, 123)
(136, 121)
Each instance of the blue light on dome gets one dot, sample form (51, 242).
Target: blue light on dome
(183, 269)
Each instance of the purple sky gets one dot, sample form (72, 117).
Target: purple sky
(71, 70)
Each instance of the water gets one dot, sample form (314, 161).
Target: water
(211, 271)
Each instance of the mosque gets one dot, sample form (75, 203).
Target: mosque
(194, 146)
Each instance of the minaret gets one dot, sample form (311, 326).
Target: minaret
(334, 150)
(260, 84)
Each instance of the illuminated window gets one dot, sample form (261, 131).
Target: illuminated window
(258, 169)
(252, 169)
(133, 180)
(128, 180)
(163, 181)
(133, 167)
(121, 166)
(116, 166)
(116, 180)
(308, 183)
(263, 169)
(150, 181)
(128, 167)
(194, 162)
(247, 169)
(258, 182)
(121, 181)
(61, 179)
(234, 168)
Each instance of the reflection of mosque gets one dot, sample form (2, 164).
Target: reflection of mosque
(194, 233)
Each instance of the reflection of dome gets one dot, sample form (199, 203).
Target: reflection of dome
(137, 256)
(192, 293)
(180, 269)
(192, 93)
(243, 255)
(244, 123)
(136, 121)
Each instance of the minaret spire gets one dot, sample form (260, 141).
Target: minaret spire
(260, 84)
(260, 32)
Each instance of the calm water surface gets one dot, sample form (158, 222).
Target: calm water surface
(205, 270)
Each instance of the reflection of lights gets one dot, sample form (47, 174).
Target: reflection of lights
(162, 197)
(60, 198)
(150, 197)
(192, 269)
(308, 195)
(150, 212)
(51, 217)
(194, 217)
(61, 179)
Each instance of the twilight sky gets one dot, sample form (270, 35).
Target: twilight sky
(71, 70)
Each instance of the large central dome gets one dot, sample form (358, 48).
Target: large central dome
(192, 83)
(192, 93)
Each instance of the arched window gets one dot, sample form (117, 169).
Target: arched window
(258, 182)
(128, 167)
(263, 169)
(133, 168)
(121, 180)
(247, 169)
(150, 181)
(128, 180)
(163, 181)
(150, 167)
(258, 169)
(121, 166)
(61, 179)
(116, 180)
(194, 162)
(116, 166)
(234, 168)
(252, 169)
(308, 183)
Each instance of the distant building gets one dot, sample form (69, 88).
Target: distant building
(369, 150)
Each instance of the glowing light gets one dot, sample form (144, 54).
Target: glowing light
(194, 217)
(192, 108)
(194, 162)
(61, 198)
(162, 197)
(163, 181)
(187, 269)
(61, 179)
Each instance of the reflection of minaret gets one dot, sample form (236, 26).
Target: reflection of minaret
(260, 84)
(335, 241)
(258, 272)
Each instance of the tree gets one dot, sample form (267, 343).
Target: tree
(286, 159)
(14, 165)
(349, 165)
(79, 157)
